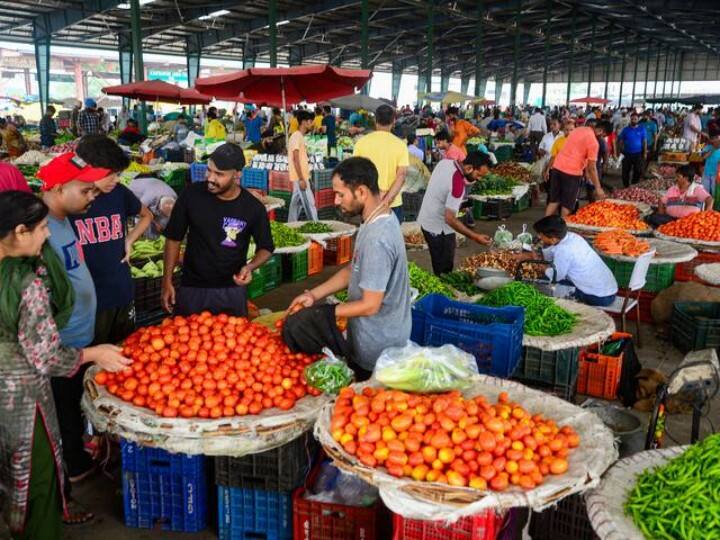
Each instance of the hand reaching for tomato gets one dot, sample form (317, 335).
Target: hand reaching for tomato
(305, 300)
(243, 277)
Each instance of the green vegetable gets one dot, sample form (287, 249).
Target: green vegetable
(148, 249)
(418, 373)
(328, 375)
(461, 281)
(680, 499)
(284, 236)
(427, 283)
(315, 227)
(342, 295)
(492, 184)
(150, 269)
(543, 317)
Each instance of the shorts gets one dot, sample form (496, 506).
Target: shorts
(564, 189)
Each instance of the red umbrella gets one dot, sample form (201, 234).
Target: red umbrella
(156, 90)
(285, 86)
(589, 99)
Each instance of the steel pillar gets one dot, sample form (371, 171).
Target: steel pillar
(396, 78)
(592, 58)
(647, 69)
(547, 49)
(272, 29)
(364, 51)
(680, 73)
(657, 72)
(571, 56)
(516, 55)
(421, 85)
(635, 72)
(607, 62)
(478, 49)
(249, 55)
(444, 79)
(430, 40)
(42, 62)
(622, 69)
(498, 90)
(673, 73)
(464, 84)
(667, 62)
(193, 67)
(138, 56)
(526, 92)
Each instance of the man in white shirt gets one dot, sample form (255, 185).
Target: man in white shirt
(548, 139)
(692, 126)
(621, 122)
(575, 262)
(537, 128)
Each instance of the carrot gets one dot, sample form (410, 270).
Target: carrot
(620, 242)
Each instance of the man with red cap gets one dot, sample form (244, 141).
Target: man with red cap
(69, 188)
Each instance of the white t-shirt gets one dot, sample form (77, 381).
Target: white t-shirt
(446, 190)
(576, 261)
(692, 120)
(547, 141)
(537, 123)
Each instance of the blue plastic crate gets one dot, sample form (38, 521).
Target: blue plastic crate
(245, 514)
(321, 179)
(255, 179)
(493, 335)
(198, 172)
(160, 488)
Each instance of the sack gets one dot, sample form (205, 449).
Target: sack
(686, 291)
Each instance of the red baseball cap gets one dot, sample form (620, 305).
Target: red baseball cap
(68, 167)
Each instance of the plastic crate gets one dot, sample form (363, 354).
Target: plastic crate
(497, 208)
(254, 514)
(521, 204)
(315, 259)
(272, 273)
(257, 285)
(568, 520)
(324, 198)
(160, 488)
(659, 276)
(321, 179)
(477, 209)
(281, 215)
(255, 179)
(280, 469)
(338, 251)
(330, 212)
(177, 180)
(695, 325)
(295, 266)
(484, 526)
(686, 271)
(492, 335)
(554, 371)
(280, 181)
(411, 202)
(598, 374)
(284, 195)
(148, 292)
(198, 172)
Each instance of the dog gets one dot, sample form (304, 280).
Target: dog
(648, 382)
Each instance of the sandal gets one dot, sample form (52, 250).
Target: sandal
(75, 514)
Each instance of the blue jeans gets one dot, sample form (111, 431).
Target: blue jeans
(592, 300)
(397, 210)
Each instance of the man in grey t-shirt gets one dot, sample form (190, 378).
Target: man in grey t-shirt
(378, 306)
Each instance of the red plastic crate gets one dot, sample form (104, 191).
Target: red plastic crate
(314, 520)
(271, 215)
(483, 526)
(598, 374)
(315, 259)
(338, 251)
(324, 198)
(280, 181)
(686, 271)
(646, 299)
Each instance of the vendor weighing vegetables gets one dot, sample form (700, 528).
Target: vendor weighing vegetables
(378, 306)
(219, 218)
(575, 262)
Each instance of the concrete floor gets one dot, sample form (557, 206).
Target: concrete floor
(103, 496)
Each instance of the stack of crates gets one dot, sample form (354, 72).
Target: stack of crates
(280, 186)
(163, 489)
(255, 491)
(321, 184)
(315, 259)
(255, 179)
(270, 274)
(295, 266)
(198, 172)
(554, 372)
(338, 251)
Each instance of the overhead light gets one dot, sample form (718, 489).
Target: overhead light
(214, 14)
(126, 5)
(281, 23)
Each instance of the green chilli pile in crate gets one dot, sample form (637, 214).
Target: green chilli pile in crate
(284, 236)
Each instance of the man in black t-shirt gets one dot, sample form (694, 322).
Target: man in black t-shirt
(219, 218)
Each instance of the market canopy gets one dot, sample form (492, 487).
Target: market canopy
(590, 99)
(156, 90)
(286, 86)
(358, 101)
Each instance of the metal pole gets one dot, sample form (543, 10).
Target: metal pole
(592, 58)
(138, 56)
(673, 74)
(622, 70)
(635, 70)
(607, 62)
(42, 63)
(647, 69)
(478, 48)
(680, 73)
(516, 56)
(548, 20)
(430, 39)
(396, 78)
(571, 57)
(657, 72)
(272, 28)
(364, 53)
(667, 62)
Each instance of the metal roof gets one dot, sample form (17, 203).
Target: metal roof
(329, 30)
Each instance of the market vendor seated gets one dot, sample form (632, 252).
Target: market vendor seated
(131, 134)
(378, 306)
(575, 262)
(684, 198)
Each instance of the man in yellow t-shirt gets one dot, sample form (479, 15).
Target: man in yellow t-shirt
(317, 121)
(390, 156)
(299, 170)
(215, 128)
(293, 125)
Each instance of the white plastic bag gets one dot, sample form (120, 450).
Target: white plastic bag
(425, 369)
(524, 237)
(502, 237)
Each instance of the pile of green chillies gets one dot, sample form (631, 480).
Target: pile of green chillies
(681, 499)
(543, 317)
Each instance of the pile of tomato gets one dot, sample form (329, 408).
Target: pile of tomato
(447, 438)
(699, 226)
(209, 367)
(609, 214)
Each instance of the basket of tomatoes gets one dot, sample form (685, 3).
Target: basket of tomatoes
(498, 444)
(204, 384)
(608, 215)
(700, 229)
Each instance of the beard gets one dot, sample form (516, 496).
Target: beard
(355, 209)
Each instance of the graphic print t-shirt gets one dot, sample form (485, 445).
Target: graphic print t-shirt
(101, 232)
(219, 234)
